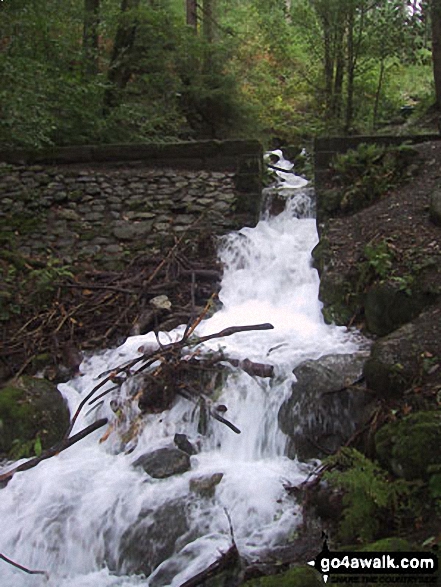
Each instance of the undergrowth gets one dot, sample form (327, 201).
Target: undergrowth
(372, 499)
(363, 175)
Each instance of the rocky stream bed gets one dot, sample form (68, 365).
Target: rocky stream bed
(380, 273)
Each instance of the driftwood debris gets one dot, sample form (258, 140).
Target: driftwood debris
(171, 363)
(93, 308)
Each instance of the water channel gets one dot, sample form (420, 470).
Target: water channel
(85, 515)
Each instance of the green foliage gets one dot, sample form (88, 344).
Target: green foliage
(380, 258)
(264, 74)
(27, 284)
(435, 485)
(25, 448)
(371, 497)
(43, 279)
(367, 173)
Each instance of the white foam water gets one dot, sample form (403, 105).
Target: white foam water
(68, 515)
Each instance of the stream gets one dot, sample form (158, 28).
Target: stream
(88, 517)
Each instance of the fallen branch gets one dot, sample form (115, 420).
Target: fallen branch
(233, 330)
(220, 418)
(165, 352)
(22, 568)
(252, 368)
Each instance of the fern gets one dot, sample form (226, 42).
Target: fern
(369, 494)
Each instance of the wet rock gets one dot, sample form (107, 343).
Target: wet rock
(164, 462)
(152, 538)
(182, 442)
(409, 447)
(31, 407)
(205, 486)
(325, 407)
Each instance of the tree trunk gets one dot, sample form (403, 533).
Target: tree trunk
(119, 69)
(436, 49)
(329, 65)
(337, 93)
(192, 15)
(351, 57)
(208, 20)
(90, 36)
(378, 94)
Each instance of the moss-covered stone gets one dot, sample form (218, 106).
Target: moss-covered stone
(339, 304)
(387, 307)
(393, 365)
(31, 408)
(410, 446)
(301, 576)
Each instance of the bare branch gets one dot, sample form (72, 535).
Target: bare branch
(22, 568)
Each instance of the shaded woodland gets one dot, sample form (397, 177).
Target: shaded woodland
(137, 70)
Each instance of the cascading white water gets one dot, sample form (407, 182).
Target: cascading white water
(70, 515)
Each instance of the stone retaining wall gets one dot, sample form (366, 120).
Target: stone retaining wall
(112, 202)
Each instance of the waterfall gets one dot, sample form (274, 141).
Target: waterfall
(81, 515)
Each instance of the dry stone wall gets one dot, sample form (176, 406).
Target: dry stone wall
(110, 210)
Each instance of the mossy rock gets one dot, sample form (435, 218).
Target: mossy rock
(329, 203)
(31, 408)
(392, 544)
(387, 307)
(301, 576)
(410, 446)
(339, 305)
(393, 364)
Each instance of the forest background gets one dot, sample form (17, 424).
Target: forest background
(106, 71)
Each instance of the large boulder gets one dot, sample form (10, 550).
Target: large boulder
(410, 446)
(387, 307)
(406, 357)
(164, 462)
(325, 407)
(31, 408)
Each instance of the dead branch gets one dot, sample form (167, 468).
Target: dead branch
(166, 352)
(22, 568)
(252, 368)
(220, 418)
(233, 330)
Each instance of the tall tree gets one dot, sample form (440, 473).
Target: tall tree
(119, 69)
(90, 36)
(208, 22)
(192, 14)
(436, 48)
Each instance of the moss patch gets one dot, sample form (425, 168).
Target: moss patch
(409, 447)
(31, 408)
